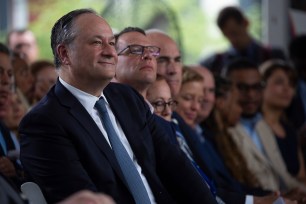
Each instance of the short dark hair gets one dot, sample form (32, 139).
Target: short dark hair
(39, 65)
(227, 13)
(4, 49)
(62, 31)
(223, 86)
(238, 64)
(270, 66)
(128, 30)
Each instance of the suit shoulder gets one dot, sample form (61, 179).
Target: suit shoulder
(122, 89)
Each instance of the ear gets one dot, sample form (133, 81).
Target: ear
(246, 23)
(63, 53)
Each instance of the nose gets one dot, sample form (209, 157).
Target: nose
(5, 79)
(171, 68)
(195, 105)
(109, 50)
(167, 110)
(147, 55)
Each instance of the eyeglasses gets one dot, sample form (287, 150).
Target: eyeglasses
(245, 88)
(160, 106)
(139, 50)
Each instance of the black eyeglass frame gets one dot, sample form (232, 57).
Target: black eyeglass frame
(172, 104)
(130, 48)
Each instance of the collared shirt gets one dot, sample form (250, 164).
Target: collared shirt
(89, 101)
(249, 125)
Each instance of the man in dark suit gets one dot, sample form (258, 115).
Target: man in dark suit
(65, 147)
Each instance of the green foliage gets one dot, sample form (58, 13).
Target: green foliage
(184, 20)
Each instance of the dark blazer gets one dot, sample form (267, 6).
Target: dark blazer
(210, 162)
(256, 53)
(10, 146)
(64, 151)
(7, 138)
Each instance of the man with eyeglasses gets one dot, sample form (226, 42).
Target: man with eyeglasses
(88, 133)
(136, 59)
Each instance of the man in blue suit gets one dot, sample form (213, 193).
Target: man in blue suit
(66, 142)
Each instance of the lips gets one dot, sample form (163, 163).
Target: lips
(146, 67)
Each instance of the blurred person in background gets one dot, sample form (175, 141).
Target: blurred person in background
(280, 81)
(9, 165)
(45, 75)
(235, 27)
(24, 43)
(23, 79)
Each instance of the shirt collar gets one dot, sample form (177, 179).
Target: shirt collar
(251, 122)
(86, 99)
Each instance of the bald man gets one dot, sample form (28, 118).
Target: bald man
(169, 62)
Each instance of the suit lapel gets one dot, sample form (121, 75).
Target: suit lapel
(248, 142)
(127, 123)
(80, 114)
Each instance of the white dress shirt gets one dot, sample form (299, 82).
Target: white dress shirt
(89, 101)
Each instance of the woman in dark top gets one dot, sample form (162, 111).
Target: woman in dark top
(280, 82)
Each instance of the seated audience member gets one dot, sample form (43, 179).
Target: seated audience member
(24, 81)
(234, 25)
(16, 110)
(190, 99)
(45, 76)
(9, 165)
(169, 62)
(159, 95)
(23, 42)
(82, 134)
(136, 66)
(226, 114)
(296, 113)
(251, 133)
(280, 81)
(170, 66)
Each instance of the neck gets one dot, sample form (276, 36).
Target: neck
(271, 114)
(94, 88)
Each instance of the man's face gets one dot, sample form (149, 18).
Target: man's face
(209, 93)
(90, 60)
(134, 69)
(25, 45)
(249, 85)
(6, 74)
(236, 33)
(169, 62)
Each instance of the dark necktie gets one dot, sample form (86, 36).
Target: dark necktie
(127, 166)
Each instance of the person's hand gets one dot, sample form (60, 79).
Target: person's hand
(7, 167)
(88, 197)
(296, 194)
(271, 198)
